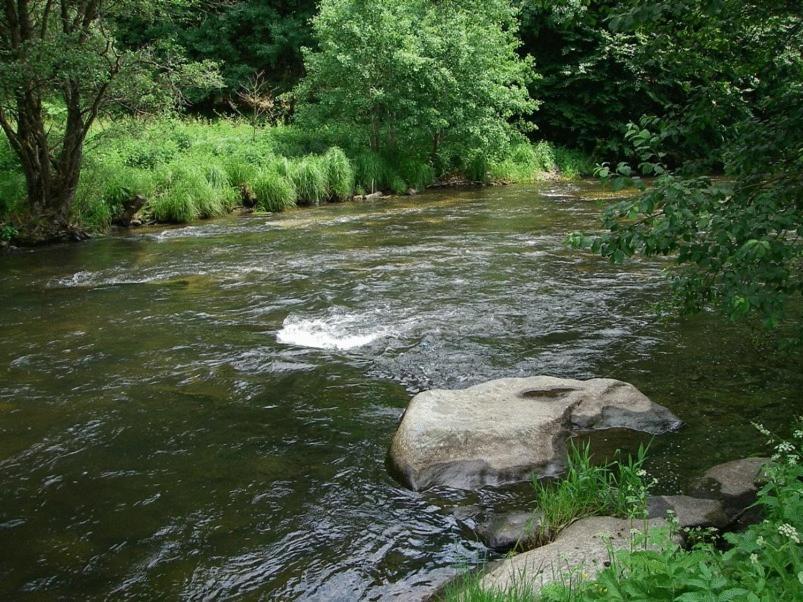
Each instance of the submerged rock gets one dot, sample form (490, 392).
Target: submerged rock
(689, 511)
(509, 531)
(505, 430)
(733, 483)
(580, 552)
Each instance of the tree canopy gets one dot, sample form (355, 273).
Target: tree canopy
(417, 73)
(737, 240)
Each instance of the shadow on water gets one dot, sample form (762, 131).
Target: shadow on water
(205, 411)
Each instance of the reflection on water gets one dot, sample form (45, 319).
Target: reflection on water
(205, 411)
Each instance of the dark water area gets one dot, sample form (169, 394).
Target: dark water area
(204, 412)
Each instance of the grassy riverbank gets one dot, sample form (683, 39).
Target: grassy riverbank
(763, 562)
(188, 169)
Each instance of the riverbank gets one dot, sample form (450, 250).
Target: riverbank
(739, 540)
(184, 170)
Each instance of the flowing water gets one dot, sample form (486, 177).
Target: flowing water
(204, 412)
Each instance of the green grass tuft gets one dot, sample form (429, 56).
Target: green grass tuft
(373, 172)
(615, 489)
(274, 191)
(339, 174)
(309, 176)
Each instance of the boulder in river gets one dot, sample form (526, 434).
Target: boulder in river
(504, 430)
(735, 484)
(689, 511)
(580, 552)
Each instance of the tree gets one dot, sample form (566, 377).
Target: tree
(61, 68)
(737, 241)
(417, 74)
(243, 36)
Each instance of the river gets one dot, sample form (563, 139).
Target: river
(204, 411)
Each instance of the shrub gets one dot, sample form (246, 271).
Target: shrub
(309, 177)
(398, 185)
(476, 168)
(762, 563)
(339, 174)
(417, 173)
(186, 195)
(274, 191)
(573, 163)
(12, 192)
(373, 172)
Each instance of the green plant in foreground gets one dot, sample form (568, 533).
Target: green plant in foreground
(615, 489)
(762, 564)
(309, 176)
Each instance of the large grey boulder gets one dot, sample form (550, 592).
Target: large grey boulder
(505, 430)
(580, 552)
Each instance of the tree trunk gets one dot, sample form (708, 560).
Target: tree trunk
(51, 178)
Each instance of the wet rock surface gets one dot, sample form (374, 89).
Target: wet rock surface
(509, 531)
(689, 511)
(580, 552)
(735, 484)
(504, 430)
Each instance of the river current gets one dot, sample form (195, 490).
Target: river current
(204, 411)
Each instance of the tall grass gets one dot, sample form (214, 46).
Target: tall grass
(186, 194)
(309, 176)
(615, 489)
(194, 168)
(416, 173)
(373, 171)
(339, 174)
(274, 191)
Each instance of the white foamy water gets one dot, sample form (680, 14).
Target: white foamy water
(341, 332)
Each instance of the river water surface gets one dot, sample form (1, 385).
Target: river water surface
(204, 412)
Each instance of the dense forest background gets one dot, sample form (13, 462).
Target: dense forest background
(115, 111)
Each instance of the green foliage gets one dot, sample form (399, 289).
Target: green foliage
(418, 174)
(7, 232)
(572, 163)
(244, 37)
(373, 172)
(274, 191)
(398, 185)
(309, 176)
(615, 489)
(339, 174)
(736, 242)
(762, 563)
(186, 194)
(416, 75)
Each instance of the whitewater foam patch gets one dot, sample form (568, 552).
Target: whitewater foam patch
(339, 332)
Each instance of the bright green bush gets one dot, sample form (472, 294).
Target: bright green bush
(339, 174)
(186, 195)
(274, 191)
(418, 174)
(309, 176)
(398, 185)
